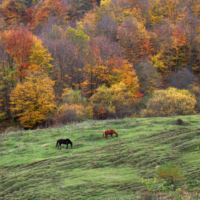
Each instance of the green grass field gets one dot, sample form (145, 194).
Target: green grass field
(32, 168)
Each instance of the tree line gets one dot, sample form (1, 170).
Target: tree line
(65, 60)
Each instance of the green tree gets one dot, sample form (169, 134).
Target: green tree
(71, 96)
(77, 37)
(39, 58)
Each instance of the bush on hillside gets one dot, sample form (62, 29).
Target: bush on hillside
(69, 113)
(101, 103)
(170, 102)
(195, 89)
(116, 101)
(71, 96)
(73, 107)
(171, 174)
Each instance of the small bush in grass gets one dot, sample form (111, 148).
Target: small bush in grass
(147, 196)
(171, 174)
(170, 102)
(179, 122)
(156, 189)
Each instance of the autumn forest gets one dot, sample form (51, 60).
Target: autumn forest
(72, 60)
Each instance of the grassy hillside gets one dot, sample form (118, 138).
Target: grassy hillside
(32, 168)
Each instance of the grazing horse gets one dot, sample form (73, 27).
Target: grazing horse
(110, 132)
(64, 141)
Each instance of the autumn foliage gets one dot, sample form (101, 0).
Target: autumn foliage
(19, 45)
(33, 100)
(116, 101)
(96, 49)
(170, 102)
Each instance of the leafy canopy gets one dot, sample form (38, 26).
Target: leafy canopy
(170, 102)
(33, 100)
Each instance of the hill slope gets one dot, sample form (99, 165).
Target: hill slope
(32, 168)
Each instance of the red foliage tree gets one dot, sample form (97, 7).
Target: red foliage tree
(19, 44)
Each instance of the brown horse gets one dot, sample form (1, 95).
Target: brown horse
(110, 132)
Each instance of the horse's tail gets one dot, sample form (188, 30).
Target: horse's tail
(103, 133)
(56, 143)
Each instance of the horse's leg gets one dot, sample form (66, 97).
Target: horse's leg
(106, 136)
(67, 146)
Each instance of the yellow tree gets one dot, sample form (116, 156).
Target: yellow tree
(173, 51)
(128, 77)
(170, 102)
(33, 100)
(39, 58)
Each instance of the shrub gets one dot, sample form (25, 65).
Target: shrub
(171, 174)
(71, 96)
(179, 122)
(158, 189)
(73, 107)
(170, 102)
(116, 101)
(101, 103)
(195, 89)
(68, 113)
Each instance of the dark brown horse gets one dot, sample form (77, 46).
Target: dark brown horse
(63, 141)
(110, 132)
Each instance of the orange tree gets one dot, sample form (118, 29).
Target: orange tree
(19, 42)
(33, 100)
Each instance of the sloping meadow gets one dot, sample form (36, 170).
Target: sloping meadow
(31, 167)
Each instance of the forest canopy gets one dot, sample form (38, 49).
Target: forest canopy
(117, 55)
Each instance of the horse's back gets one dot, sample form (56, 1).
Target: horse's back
(110, 131)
